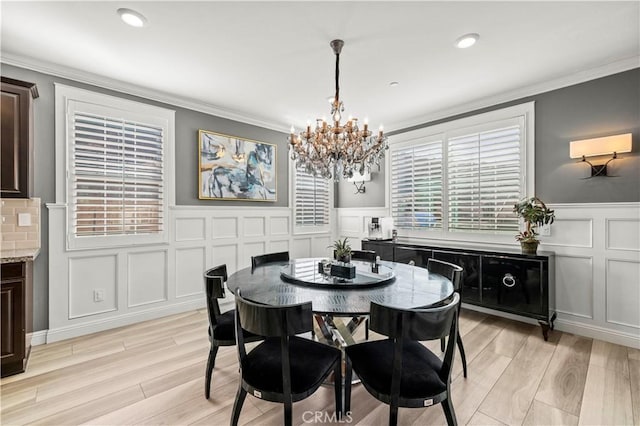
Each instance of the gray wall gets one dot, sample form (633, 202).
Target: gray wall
(186, 157)
(601, 107)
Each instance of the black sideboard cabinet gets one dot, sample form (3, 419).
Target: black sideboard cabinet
(504, 280)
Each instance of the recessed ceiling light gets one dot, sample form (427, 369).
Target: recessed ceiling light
(467, 40)
(394, 84)
(131, 17)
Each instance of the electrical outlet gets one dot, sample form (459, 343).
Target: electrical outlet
(98, 295)
(24, 219)
(545, 231)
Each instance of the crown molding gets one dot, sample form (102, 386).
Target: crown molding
(207, 108)
(62, 71)
(535, 89)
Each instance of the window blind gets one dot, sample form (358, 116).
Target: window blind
(484, 180)
(311, 199)
(416, 186)
(117, 176)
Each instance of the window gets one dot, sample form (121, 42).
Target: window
(311, 201)
(117, 156)
(416, 182)
(464, 176)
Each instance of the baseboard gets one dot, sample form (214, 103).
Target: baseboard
(580, 329)
(600, 333)
(62, 333)
(39, 337)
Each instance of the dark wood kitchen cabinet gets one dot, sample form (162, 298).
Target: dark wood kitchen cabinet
(15, 316)
(16, 140)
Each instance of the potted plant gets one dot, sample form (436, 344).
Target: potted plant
(341, 250)
(535, 213)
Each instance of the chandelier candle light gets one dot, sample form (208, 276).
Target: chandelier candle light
(329, 151)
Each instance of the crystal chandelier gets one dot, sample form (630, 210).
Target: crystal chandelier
(329, 151)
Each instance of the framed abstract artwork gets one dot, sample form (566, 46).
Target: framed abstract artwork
(233, 168)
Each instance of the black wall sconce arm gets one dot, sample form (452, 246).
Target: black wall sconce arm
(599, 170)
(360, 189)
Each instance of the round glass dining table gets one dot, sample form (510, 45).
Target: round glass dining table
(340, 306)
(300, 280)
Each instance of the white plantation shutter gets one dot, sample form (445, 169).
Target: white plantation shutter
(116, 175)
(311, 200)
(484, 178)
(416, 186)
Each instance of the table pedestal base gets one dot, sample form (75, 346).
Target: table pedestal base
(338, 331)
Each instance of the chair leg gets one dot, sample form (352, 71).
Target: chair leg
(237, 405)
(447, 406)
(462, 355)
(442, 344)
(366, 329)
(347, 386)
(393, 415)
(211, 362)
(288, 413)
(337, 387)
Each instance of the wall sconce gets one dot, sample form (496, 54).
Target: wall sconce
(609, 145)
(359, 180)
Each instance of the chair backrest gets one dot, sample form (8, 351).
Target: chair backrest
(417, 324)
(256, 261)
(447, 270)
(413, 324)
(214, 280)
(368, 255)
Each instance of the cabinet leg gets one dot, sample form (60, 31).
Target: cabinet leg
(552, 319)
(545, 329)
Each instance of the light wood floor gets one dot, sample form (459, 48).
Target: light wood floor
(153, 373)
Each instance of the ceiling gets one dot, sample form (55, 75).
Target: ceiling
(270, 62)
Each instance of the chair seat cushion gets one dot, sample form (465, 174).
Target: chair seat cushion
(310, 363)
(373, 363)
(225, 331)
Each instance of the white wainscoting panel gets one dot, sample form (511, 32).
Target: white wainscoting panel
(570, 233)
(254, 227)
(279, 225)
(351, 226)
(147, 277)
(146, 282)
(277, 246)
(623, 234)
(597, 275)
(225, 227)
(251, 249)
(623, 292)
(225, 254)
(190, 228)
(89, 274)
(575, 295)
(301, 247)
(190, 265)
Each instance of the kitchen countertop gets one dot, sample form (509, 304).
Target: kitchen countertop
(18, 255)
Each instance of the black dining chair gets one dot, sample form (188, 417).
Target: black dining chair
(283, 368)
(256, 261)
(400, 371)
(454, 274)
(222, 330)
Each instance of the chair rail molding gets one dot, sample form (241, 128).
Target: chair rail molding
(597, 248)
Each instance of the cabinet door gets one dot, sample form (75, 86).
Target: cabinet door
(470, 281)
(403, 254)
(15, 139)
(514, 285)
(384, 250)
(12, 321)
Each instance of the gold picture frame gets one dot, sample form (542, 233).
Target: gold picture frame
(235, 168)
